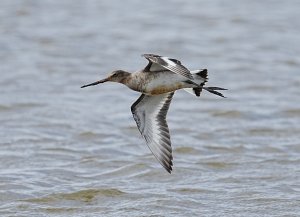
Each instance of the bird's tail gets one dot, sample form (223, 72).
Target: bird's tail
(200, 76)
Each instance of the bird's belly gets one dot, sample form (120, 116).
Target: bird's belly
(157, 83)
(160, 89)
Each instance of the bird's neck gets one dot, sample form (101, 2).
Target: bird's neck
(135, 81)
(125, 79)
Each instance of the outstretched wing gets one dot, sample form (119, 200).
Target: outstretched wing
(159, 63)
(150, 112)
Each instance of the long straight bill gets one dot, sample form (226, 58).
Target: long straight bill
(95, 83)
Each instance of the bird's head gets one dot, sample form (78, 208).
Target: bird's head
(115, 76)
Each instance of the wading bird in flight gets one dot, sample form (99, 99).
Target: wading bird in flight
(158, 82)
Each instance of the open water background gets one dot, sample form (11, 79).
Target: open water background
(66, 151)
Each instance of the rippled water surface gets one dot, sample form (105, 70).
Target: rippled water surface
(66, 151)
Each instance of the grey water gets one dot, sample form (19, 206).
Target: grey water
(66, 151)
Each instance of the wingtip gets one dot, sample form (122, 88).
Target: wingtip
(169, 170)
(168, 167)
(148, 55)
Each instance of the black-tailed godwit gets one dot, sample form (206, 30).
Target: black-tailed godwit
(157, 82)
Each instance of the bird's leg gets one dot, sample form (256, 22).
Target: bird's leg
(213, 90)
